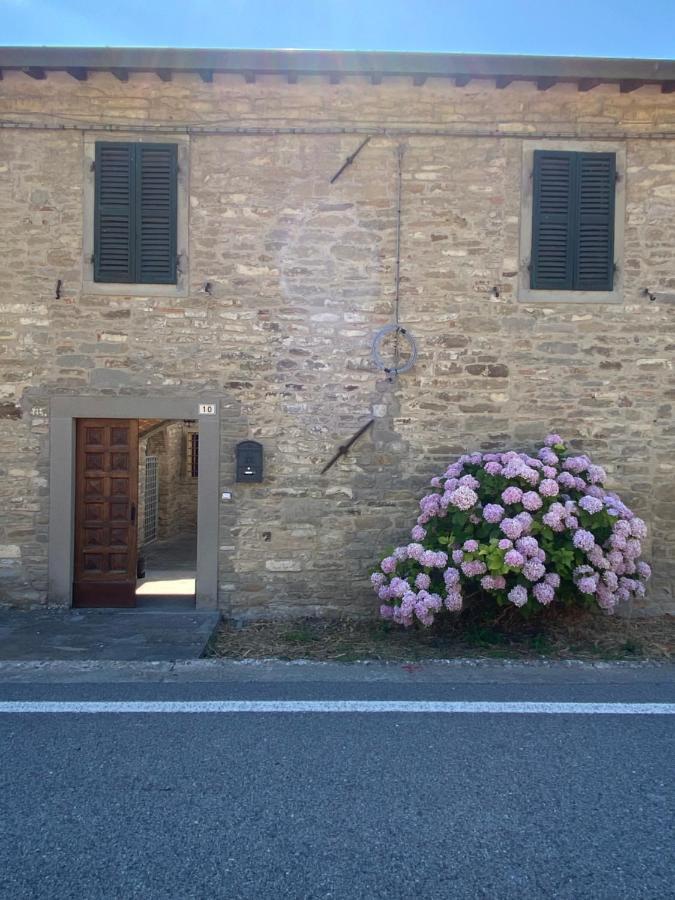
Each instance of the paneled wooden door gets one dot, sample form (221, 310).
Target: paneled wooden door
(106, 512)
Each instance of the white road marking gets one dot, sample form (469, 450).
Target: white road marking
(78, 707)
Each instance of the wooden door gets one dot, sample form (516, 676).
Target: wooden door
(106, 512)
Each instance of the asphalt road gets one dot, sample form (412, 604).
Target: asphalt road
(340, 805)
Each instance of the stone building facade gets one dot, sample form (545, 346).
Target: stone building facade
(285, 277)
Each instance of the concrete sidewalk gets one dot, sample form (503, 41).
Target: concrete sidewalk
(105, 634)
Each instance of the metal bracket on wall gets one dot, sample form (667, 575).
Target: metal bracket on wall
(659, 296)
(349, 160)
(343, 450)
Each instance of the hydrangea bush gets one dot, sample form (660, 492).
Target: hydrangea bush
(524, 530)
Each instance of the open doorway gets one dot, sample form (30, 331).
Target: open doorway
(168, 477)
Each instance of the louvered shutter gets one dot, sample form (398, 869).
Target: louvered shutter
(594, 257)
(156, 189)
(135, 218)
(551, 264)
(114, 213)
(573, 221)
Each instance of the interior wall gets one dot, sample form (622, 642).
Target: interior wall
(177, 488)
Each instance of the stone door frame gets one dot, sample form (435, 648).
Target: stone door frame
(63, 412)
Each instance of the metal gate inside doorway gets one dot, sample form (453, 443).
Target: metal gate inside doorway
(151, 505)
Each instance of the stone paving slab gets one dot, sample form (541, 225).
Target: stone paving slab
(105, 634)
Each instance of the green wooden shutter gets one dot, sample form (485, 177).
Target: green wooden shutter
(573, 221)
(594, 256)
(113, 213)
(135, 217)
(551, 263)
(156, 212)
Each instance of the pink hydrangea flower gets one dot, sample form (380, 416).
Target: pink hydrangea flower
(386, 611)
(518, 595)
(512, 495)
(457, 556)
(493, 513)
(533, 570)
(418, 533)
(549, 488)
(552, 439)
(423, 582)
(591, 504)
(399, 587)
(377, 579)
(453, 601)
(527, 545)
(638, 528)
(566, 480)
(464, 497)
(505, 544)
(388, 565)
(587, 585)
(451, 576)
(512, 528)
(544, 593)
(576, 464)
(583, 539)
(596, 474)
(532, 501)
(525, 520)
(470, 546)
(415, 551)
(514, 558)
(644, 570)
(493, 468)
(473, 568)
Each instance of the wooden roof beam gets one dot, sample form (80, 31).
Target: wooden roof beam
(36, 72)
(503, 81)
(334, 78)
(249, 77)
(121, 74)
(164, 74)
(544, 84)
(78, 73)
(628, 85)
(587, 84)
(668, 87)
(462, 80)
(292, 77)
(419, 80)
(206, 75)
(376, 78)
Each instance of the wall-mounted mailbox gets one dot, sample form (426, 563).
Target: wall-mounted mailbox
(249, 461)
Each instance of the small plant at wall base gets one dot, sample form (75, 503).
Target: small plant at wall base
(524, 531)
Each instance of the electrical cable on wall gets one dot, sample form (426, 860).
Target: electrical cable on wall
(396, 328)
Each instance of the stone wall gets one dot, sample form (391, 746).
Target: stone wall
(303, 275)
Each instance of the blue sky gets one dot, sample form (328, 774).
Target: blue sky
(644, 28)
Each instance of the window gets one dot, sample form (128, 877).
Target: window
(572, 212)
(193, 462)
(573, 221)
(135, 213)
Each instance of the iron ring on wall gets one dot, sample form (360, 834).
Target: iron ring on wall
(377, 343)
